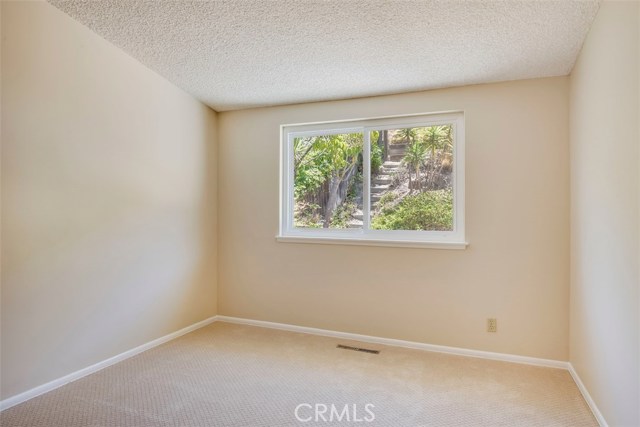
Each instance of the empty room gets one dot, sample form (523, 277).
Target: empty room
(320, 212)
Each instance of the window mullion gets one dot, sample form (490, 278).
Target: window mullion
(366, 181)
(290, 182)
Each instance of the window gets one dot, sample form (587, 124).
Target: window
(396, 181)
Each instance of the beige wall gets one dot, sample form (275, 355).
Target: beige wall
(605, 216)
(515, 269)
(108, 200)
(109, 214)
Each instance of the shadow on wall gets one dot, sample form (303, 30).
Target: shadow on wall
(129, 265)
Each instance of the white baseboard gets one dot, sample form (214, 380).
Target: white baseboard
(52, 385)
(587, 397)
(549, 363)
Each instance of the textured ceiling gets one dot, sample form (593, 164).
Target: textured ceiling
(234, 54)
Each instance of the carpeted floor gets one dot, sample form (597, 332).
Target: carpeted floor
(233, 375)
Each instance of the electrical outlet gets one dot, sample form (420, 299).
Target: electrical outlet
(492, 325)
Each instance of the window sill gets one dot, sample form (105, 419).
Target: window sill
(372, 242)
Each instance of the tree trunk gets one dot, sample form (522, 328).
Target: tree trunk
(385, 141)
(334, 185)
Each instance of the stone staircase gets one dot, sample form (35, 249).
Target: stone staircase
(382, 181)
(380, 184)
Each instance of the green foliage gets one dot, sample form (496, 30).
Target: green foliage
(374, 136)
(317, 158)
(320, 160)
(308, 179)
(387, 198)
(342, 214)
(376, 157)
(407, 135)
(438, 138)
(431, 210)
(307, 215)
(415, 156)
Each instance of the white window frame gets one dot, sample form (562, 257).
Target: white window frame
(454, 239)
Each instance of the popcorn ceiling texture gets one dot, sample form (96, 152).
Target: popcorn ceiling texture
(234, 54)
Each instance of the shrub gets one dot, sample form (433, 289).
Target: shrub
(431, 210)
(342, 215)
(387, 198)
(307, 215)
(376, 158)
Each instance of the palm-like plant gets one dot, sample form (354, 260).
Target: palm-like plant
(435, 139)
(408, 135)
(414, 158)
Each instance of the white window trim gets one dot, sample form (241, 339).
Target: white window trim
(402, 238)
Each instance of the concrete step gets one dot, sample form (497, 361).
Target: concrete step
(354, 224)
(389, 170)
(382, 179)
(389, 164)
(357, 215)
(379, 188)
(375, 197)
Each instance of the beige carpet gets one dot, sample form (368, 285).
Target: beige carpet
(231, 375)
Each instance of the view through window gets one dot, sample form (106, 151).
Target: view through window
(375, 179)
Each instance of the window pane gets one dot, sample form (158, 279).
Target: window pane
(412, 178)
(328, 181)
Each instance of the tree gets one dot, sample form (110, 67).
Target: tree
(379, 149)
(344, 151)
(311, 166)
(383, 143)
(329, 159)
